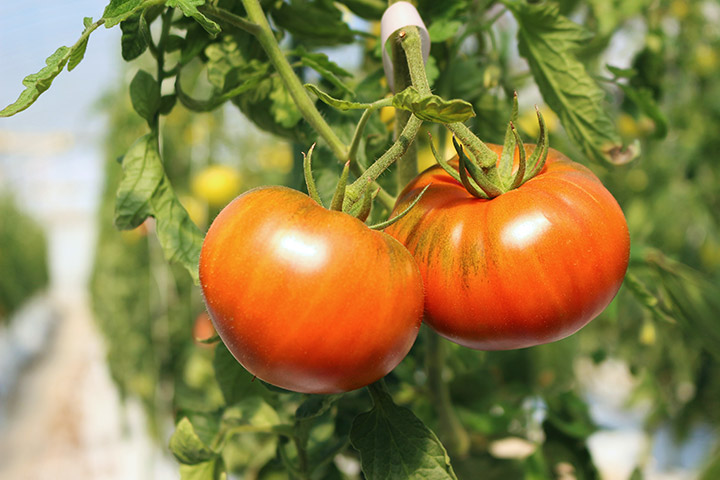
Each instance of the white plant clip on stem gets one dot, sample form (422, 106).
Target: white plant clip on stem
(400, 15)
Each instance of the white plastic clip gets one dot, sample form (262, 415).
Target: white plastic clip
(397, 16)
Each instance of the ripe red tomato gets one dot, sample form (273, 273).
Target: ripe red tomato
(305, 298)
(531, 266)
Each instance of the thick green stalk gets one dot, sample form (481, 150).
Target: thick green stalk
(411, 43)
(397, 150)
(407, 164)
(387, 199)
(306, 106)
(451, 431)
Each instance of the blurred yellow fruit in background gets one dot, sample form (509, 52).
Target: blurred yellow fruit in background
(216, 184)
(196, 209)
(276, 157)
(426, 159)
(528, 121)
(387, 116)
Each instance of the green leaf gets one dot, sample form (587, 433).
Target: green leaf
(318, 21)
(643, 99)
(325, 67)
(78, 51)
(120, 10)
(174, 43)
(37, 83)
(315, 405)
(145, 95)
(368, 9)
(205, 424)
(443, 29)
(621, 72)
(167, 103)
(146, 191)
(394, 443)
(210, 470)
(252, 411)
(132, 41)
(343, 105)
(186, 445)
(189, 9)
(547, 40)
(694, 300)
(235, 382)
(283, 106)
(433, 108)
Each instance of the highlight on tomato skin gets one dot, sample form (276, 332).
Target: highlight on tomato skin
(529, 267)
(305, 298)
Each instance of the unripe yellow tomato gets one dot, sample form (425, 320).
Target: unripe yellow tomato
(628, 126)
(705, 60)
(426, 159)
(276, 157)
(387, 116)
(216, 185)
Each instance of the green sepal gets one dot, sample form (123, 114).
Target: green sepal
(508, 152)
(390, 221)
(536, 162)
(363, 211)
(522, 160)
(339, 195)
(464, 179)
(309, 179)
(486, 179)
(443, 163)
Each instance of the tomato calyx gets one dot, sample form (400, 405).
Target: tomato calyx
(484, 175)
(359, 210)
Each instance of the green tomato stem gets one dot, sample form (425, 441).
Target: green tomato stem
(230, 18)
(450, 431)
(376, 390)
(357, 189)
(412, 47)
(302, 100)
(407, 164)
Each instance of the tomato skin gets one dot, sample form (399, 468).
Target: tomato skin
(529, 267)
(305, 298)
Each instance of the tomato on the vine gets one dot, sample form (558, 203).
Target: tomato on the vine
(308, 299)
(528, 267)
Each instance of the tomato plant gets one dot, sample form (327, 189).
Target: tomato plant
(530, 266)
(305, 298)
(315, 301)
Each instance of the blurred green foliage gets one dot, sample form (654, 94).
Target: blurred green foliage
(663, 324)
(23, 257)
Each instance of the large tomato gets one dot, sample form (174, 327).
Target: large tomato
(529, 267)
(305, 298)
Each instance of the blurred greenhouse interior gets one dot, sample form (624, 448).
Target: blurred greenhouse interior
(96, 328)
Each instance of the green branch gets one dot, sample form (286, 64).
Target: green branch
(307, 108)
